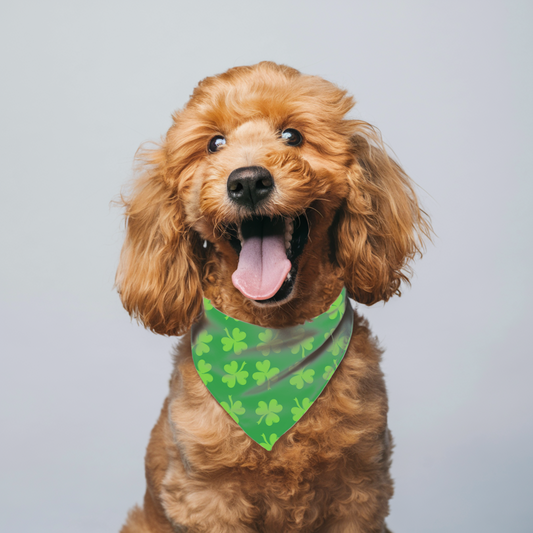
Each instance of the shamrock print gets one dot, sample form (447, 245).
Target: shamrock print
(305, 345)
(234, 374)
(203, 371)
(202, 346)
(329, 333)
(234, 341)
(339, 345)
(301, 376)
(269, 342)
(234, 409)
(267, 444)
(269, 411)
(299, 411)
(336, 308)
(329, 370)
(265, 372)
(242, 365)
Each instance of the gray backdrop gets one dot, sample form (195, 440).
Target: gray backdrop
(85, 83)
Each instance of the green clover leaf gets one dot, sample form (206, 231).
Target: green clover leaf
(234, 409)
(207, 304)
(299, 411)
(234, 341)
(336, 308)
(201, 346)
(304, 345)
(267, 444)
(234, 374)
(269, 342)
(265, 372)
(270, 411)
(301, 376)
(339, 345)
(329, 370)
(329, 333)
(203, 371)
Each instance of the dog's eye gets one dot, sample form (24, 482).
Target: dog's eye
(292, 137)
(215, 143)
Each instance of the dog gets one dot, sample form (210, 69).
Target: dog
(265, 148)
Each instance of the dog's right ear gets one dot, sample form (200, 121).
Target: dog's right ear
(158, 277)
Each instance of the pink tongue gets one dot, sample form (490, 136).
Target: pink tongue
(263, 267)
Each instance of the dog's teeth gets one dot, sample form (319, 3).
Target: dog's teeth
(205, 244)
(289, 226)
(288, 278)
(289, 229)
(239, 235)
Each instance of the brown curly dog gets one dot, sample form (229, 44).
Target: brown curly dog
(268, 143)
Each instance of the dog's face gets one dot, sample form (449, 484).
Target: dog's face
(264, 196)
(268, 177)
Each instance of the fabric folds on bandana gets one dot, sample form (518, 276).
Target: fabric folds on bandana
(266, 379)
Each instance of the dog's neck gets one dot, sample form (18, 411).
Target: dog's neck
(300, 308)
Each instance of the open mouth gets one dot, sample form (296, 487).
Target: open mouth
(269, 250)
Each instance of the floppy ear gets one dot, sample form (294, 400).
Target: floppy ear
(380, 226)
(158, 277)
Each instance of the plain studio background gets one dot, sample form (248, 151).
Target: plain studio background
(85, 83)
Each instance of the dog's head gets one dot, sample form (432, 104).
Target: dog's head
(263, 195)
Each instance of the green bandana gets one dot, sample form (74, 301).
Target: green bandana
(266, 379)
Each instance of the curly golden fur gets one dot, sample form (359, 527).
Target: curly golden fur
(330, 472)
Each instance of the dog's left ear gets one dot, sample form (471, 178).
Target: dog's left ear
(381, 226)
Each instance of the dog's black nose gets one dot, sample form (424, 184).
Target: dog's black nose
(247, 186)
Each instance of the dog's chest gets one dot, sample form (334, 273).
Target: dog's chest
(214, 461)
(313, 472)
(290, 489)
